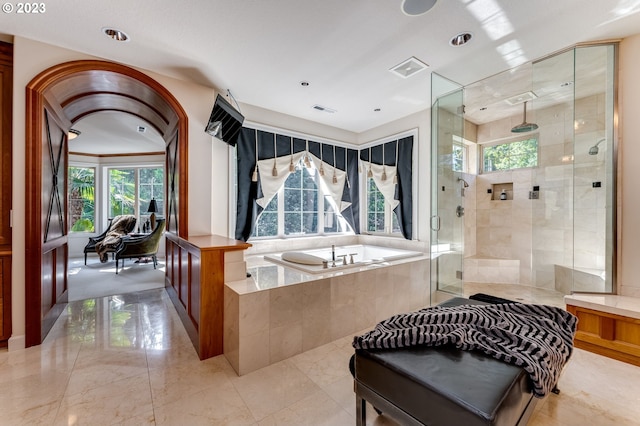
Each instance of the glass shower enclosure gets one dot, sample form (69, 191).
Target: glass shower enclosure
(556, 230)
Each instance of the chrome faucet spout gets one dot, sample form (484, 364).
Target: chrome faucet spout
(333, 252)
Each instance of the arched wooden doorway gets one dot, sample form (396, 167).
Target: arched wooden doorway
(57, 98)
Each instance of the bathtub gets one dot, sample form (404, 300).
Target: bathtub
(361, 254)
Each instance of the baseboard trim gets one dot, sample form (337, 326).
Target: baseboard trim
(17, 342)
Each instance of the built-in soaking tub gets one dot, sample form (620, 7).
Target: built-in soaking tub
(286, 308)
(319, 261)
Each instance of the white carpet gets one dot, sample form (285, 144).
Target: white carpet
(100, 279)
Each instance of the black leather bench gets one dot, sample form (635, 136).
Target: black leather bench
(441, 386)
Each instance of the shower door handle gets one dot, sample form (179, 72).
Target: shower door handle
(435, 223)
(459, 211)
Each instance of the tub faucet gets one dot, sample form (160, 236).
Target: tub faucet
(344, 258)
(333, 252)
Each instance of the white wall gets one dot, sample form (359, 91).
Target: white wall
(629, 172)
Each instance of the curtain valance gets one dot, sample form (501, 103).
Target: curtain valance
(266, 157)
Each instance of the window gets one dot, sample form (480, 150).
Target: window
(300, 208)
(459, 157)
(82, 183)
(380, 217)
(510, 155)
(131, 190)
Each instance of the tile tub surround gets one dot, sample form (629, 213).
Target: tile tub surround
(280, 312)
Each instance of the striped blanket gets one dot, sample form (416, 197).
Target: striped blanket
(538, 338)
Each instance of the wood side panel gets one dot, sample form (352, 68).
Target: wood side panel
(6, 113)
(6, 149)
(212, 303)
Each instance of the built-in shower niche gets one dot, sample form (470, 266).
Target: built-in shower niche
(497, 188)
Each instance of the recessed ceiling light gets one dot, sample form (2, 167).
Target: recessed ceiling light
(142, 129)
(377, 110)
(409, 67)
(116, 35)
(460, 39)
(417, 7)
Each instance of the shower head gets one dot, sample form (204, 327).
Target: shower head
(594, 149)
(464, 182)
(524, 126)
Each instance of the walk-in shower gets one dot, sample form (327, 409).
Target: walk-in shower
(556, 228)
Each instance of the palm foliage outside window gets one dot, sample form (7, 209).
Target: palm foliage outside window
(82, 182)
(131, 190)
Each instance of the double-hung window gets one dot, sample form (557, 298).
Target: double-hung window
(380, 217)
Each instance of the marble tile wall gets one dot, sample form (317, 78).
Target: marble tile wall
(567, 224)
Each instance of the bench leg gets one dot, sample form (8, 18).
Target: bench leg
(361, 411)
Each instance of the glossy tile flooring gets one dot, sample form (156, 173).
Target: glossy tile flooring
(127, 360)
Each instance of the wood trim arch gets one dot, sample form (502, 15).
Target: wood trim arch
(49, 93)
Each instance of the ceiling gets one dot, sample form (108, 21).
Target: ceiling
(262, 50)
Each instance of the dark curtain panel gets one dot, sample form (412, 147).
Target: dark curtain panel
(247, 210)
(247, 191)
(404, 210)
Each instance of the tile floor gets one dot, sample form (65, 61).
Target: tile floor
(127, 360)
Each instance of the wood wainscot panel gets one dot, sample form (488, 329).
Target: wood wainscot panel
(607, 334)
(184, 277)
(199, 296)
(5, 297)
(194, 288)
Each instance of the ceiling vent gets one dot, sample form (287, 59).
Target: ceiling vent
(409, 67)
(142, 129)
(522, 97)
(324, 109)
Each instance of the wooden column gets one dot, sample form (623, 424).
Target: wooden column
(195, 280)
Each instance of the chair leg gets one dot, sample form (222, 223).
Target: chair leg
(155, 261)
(117, 265)
(85, 258)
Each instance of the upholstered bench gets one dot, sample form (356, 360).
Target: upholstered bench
(441, 386)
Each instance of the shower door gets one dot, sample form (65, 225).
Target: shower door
(573, 232)
(447, 208)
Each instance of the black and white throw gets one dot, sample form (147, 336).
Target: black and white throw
(538, 338)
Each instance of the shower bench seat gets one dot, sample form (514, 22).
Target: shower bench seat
(441, 386)
(608, 325)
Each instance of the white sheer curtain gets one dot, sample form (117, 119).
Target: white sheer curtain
(387, 187)
(271, 184)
